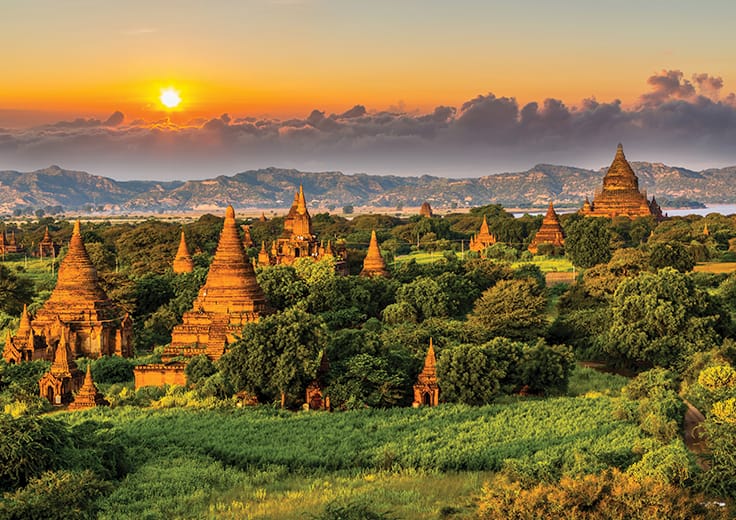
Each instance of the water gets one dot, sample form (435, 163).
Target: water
(723, 209)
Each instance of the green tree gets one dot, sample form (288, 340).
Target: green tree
(587, 241)
(671, 254)
(367, 380)
(14, 291)
(282, 285)
(426, 297)
(512, 308)
(470, 374)
(198, 369)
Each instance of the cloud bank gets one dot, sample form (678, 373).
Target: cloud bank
(679, 121)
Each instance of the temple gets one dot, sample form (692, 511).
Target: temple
(550, 232)
(77, 310)
(88, 396)
(9, 244)
(483, 239)
(247, 239)
(64, 378)
(298, 240)
(427, 391)
(46, 247)
(314, 394)
(183, 261)
(620, 196)
(373, 263)
(426, 210)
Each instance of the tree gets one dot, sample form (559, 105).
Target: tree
(14, 291)
(282, 286)
(602, 280)
(671, 254)
(276, 356)
(470, 374)
(426, 296)
(198, 369)
(587, 242)
(660, 319)
(368, 380)
(512, 308)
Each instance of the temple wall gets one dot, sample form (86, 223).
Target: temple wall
(159, 375)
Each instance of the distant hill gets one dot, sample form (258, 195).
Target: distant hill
(274, 187)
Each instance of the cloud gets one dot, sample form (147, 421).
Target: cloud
(688, 122)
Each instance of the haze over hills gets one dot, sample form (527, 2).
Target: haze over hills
(274, 187)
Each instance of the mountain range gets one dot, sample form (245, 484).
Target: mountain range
(274, 187)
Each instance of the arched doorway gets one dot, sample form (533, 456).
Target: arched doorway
(50, 394)
(426, 399)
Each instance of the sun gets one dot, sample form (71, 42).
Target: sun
(170, 97)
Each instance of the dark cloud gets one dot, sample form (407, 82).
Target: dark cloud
(688, 122)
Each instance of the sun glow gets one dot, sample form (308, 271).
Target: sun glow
(170, 97)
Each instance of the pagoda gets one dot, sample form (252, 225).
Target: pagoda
(183, 261)
(247, 239)
(9, 244)
(483, 239)
(298, 240)
(373, 264)
(620, 196)
(550, 232)
(88, 396)
(229, 298)
(427, 391)
(25, 345)
(64, 378)
(314, 394)
(46, 247)
(79, 310)
(426, 210)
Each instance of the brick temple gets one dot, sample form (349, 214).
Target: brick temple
(483, 238)
(373, 263)
(549, 233)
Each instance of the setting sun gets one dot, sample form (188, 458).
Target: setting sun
(170, 98)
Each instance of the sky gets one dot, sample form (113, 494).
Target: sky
(406, 87)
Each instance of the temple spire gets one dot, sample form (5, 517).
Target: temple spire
(183, 261)
(373, 264)
(25, 320)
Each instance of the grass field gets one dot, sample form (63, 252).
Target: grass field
(546, 264)
(715, 267)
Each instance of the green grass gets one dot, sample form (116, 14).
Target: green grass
(422, 257)
(587, 381)
(548, 264)
(265, 463)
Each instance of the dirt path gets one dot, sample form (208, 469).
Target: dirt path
(694, 438)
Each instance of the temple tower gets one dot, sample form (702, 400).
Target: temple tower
(426, 210)
(88, 396)
(64, 378)
(549, 233)
(373, 264)
(427, 391)
(183, 261)
(46, 247)
(483, 239)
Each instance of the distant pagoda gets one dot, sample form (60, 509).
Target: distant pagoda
(620, 196)
(550, 232)
(46, 247)
(426, 210)
(373, 264)
(427, 390)
(183, 261)
(483, 238)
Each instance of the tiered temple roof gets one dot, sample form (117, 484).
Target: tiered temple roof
(25, 345)
(79, 308)
(46, 247)
(88, 396)
(620, 196)
(183, 261)
(373, 264)
(247, 239)
(427, 391)
(550, 232)
(230, 298)
(64, 378)
(8, 243)
(483, 239)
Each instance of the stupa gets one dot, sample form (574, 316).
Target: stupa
(426, 210)
(9, 244)
(46, 247)
(230, 298)
(620, 196)
(25, 345)
(373, 264)
(183, 261)
(427, 391)
(483, 239)
(79, 309)
(64, 378)
(549, 233)
(247, 239)
(88, 396)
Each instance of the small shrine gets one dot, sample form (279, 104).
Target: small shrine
(315, 398)
(183, 261)
(64, 378)
(9, 244)
(426, 210)
(247, 239)
(373, 263)
(483, 238)
(88, 396)
(46, 247)
(427, 391)
(549, 233)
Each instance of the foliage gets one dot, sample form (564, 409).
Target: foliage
(587, 241)
(109, 369)
(15, 291)
(198, 369)
(610, 494)
(512, 308)
(368, 381)
(720, 432)
(671, 254)
(353, 511)
(470, 374)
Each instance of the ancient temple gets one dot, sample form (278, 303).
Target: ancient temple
(549, 233)
(426, 210)
(79, 310)
(298, 240)
(25, 345)
(183, 261)
(88, 396)
(263, 257)
(483, 239)
(620, 196)
(64, 378)
(9, 244)
(229, 298)
(315, 398)
(427, 391)
(46, 247)
(373, 263)
(247, 239)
